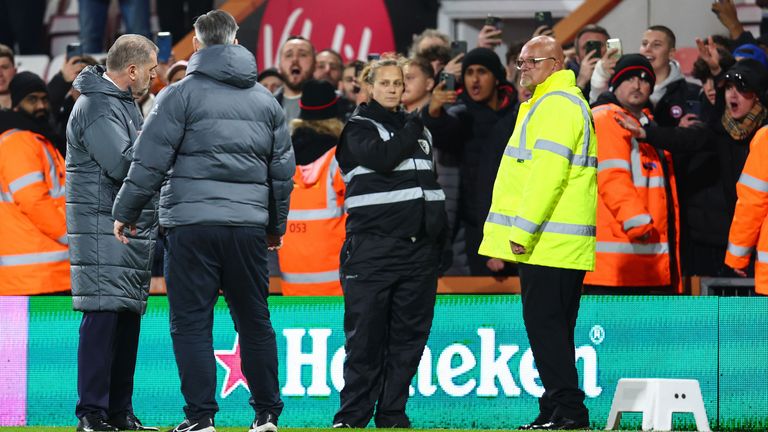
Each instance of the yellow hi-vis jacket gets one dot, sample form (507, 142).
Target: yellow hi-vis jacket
(545, 195)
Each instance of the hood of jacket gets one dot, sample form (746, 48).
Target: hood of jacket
(229, 64)
(91, 80)
(507, 99)
(661, 88)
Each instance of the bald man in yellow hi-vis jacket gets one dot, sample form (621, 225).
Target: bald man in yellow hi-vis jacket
(543, 217)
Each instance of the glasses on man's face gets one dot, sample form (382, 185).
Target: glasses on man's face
(531, 62)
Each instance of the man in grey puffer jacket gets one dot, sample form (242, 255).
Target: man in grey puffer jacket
(221, 140)
(110, 283)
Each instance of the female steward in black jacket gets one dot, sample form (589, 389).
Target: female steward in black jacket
(396, 230)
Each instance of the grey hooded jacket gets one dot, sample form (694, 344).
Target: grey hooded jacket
(106, 275)
(218, 143)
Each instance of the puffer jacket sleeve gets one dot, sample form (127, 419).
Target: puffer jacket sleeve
(752, 206)
(155, 152)
(282, 167)
(614, 177)
(109, 144)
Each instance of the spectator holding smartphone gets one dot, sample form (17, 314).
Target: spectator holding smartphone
(590, 47)
(475, 125)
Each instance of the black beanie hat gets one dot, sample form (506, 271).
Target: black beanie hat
(24, 83)
(487, 58)
(749, 75)
(632, 65)
(318, 101)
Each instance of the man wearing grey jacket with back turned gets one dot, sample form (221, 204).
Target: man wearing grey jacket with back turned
(222, 141)
(110, 283)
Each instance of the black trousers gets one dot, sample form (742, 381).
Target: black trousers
(106, 361)
(550, 299)
(21, 22)
(177, 16)
(389, 288)
(200, 260)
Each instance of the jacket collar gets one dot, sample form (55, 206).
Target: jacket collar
(559, 80)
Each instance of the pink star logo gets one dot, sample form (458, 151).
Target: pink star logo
(230, 361)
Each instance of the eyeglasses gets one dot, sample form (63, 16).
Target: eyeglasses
(531, 62)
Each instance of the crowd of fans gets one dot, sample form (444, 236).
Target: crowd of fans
(685, 144)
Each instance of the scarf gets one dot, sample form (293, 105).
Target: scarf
(742, 129)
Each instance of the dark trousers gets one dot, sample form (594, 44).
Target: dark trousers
(177, 16)
(389, 289)
(106, 361)
(21, 23)
(200, 260)
(550, 298)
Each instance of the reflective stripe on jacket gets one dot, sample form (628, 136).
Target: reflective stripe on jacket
(391, 187)
(632, 203)
(544, 197)
(748, 229)
(309, 257)
(34, 257)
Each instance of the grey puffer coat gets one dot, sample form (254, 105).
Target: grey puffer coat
(218, 144)
(106, 274)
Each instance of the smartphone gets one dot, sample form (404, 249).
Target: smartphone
(74, 50)
(543, 18)
(494, 21)
(614, 43)
(450, 80)
(373, 57)
(458, 47)
(164, 45)
(693, 107)
(593, 45)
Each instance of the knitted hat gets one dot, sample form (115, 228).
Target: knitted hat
(487, 58)
(751, 51)
(749, 75)
(24, 83)
(318, 101)
(632, 65)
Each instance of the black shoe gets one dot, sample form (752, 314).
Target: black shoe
(128, 421)
(563, 423)
(204, 424)
(541, 420)
(265, 422)
(341, 425)
(94, 422)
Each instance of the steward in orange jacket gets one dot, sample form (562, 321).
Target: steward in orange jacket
(637, 213)
(315, 231)
(34, 257)
(749, 227)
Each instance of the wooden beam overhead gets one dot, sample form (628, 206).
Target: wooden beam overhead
(590, 12)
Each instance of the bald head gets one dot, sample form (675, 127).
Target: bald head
(541, 56)
(548, 46)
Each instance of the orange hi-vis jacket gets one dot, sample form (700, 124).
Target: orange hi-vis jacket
(633, 194)
(749, 228)
(34, 258)
(315, 232)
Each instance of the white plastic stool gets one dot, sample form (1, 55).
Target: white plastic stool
(657, 399)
